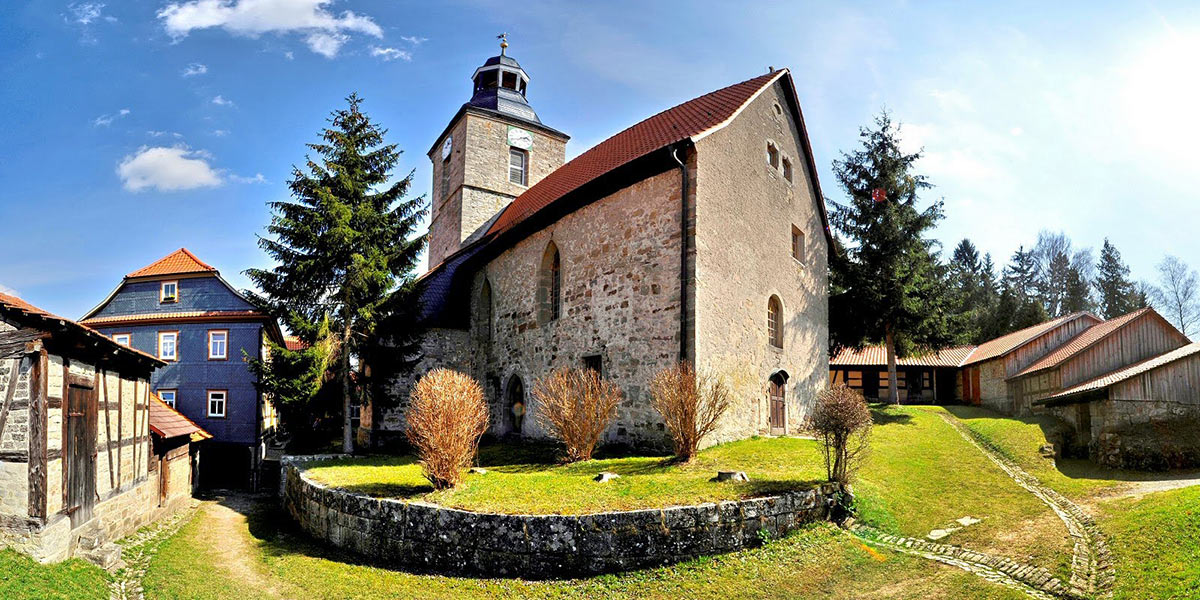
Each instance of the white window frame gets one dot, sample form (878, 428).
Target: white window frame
(224, 400)
(224, 355)
(174, 396)
(174, 335)
(116, 337)
(524, 168)
(163, 298)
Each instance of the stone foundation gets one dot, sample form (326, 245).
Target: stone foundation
(428, 537)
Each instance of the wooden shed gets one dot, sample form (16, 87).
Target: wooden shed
(75, 443)
(926, 379)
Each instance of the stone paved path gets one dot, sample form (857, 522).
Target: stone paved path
(139, 549)
(1091, 567)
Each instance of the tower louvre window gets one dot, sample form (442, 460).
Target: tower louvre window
(446, 176)
(509, 80)
(518, 161)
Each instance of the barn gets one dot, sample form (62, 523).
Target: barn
(79, 466)
(925, 379)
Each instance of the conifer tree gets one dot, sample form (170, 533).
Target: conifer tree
(887, 283)
(346, 249)
(1117, 293)
(974, 291)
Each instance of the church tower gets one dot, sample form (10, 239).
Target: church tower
(494, 149)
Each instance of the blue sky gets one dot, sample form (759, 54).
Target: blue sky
(132, 128)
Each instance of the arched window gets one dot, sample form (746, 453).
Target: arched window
(775, 321)
(550, 285)
(514, 405)
(772, 155)
(484, 312)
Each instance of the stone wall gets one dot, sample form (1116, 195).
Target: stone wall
(427, 537)
(745, 211)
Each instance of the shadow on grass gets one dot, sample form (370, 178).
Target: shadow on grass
(882, 414)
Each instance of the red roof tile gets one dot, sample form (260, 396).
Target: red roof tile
(176, 263)
(292, 342)
(214, 315)
(876, 356)
(1081, 342)
(1007, 343)
(168, 422)
(1124, 373)
(668, 127)
(16, 304)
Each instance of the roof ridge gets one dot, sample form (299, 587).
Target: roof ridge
(173, 264)
(1117, 323)
(1128, 371)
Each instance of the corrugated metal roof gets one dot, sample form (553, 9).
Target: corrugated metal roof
(877, 356)
(1081, 342)
(176, 263)
(169, 423)
(1128, 372)
(1007, 343)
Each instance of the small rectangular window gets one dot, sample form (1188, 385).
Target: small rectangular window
(517, 166)
(926, 381)
(168, 342)
(218, 344)
(787, 169)
(168, 397)
(122, 338)
(216, 403)
(854, 379)
(772, 155)
(883, 378)
(168, 292)
(594, 363)
(797, 244)
(446, 177)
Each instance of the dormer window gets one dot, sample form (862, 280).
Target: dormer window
(168, 292)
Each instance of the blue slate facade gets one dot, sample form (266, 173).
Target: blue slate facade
(193, 374)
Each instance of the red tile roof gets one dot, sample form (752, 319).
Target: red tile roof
(23, 308)
(876, 356)
(1007, 343)
(292, 342)
(168, 422)
(212, 315)
(673, 125)
(1081, 342)
(176, 263)
(1124, 373)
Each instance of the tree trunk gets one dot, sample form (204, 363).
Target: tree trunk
(893, 394)
(347, 396)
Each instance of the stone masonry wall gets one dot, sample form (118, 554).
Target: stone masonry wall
(745, 210)
(428, 537)
(14, 439)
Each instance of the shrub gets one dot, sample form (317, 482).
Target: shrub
(575, 406)
(842, 422)
(446, 418)
(690, 403)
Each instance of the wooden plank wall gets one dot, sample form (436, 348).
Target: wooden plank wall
(1173, 383)
(1042, 345)
(1146, 337)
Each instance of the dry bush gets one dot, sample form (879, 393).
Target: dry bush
(842, 422)
(574, 406)
(690, 403)
(446, 417)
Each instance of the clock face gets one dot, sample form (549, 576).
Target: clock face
(520, 138)
(447, 147)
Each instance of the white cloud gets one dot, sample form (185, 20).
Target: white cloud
(258, 178)
(220, 100)
(325, 43)
(85, 13)
(220, 132)
(414, 40)
(4, 289)
(157, 133)
(167, 169)
(390, 53)
(325, 32)
(107, 119)
(289, 55)
(195, 69)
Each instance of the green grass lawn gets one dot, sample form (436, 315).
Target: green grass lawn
(1155, 542)
(22, 578)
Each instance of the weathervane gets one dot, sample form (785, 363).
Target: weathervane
(503, 37)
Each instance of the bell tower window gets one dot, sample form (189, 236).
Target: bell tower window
(518, 161)
(509, 80)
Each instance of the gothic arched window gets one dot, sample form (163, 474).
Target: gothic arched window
(550, 285)
(484, 312)
(775, 321)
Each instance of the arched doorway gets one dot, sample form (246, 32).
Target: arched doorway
(515, 406)
(777, 386)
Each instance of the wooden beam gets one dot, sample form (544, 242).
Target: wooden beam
(38, 388)
(14, 375)
(14, 343)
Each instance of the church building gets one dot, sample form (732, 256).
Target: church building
(698, 234)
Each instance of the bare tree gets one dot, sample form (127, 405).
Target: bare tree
(446, 418)
(690, 403)
(575, 406)
(1178, 293)
(842, 423)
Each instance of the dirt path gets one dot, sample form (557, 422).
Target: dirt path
(225, 528)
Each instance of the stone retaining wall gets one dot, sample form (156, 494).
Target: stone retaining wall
(428, 537)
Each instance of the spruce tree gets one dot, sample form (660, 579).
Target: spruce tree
(1117, 293)
(346, 250)
(974, 292)
(887, 283)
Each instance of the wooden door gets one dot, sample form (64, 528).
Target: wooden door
(80, 453)
(777, 407)
(975, 395)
